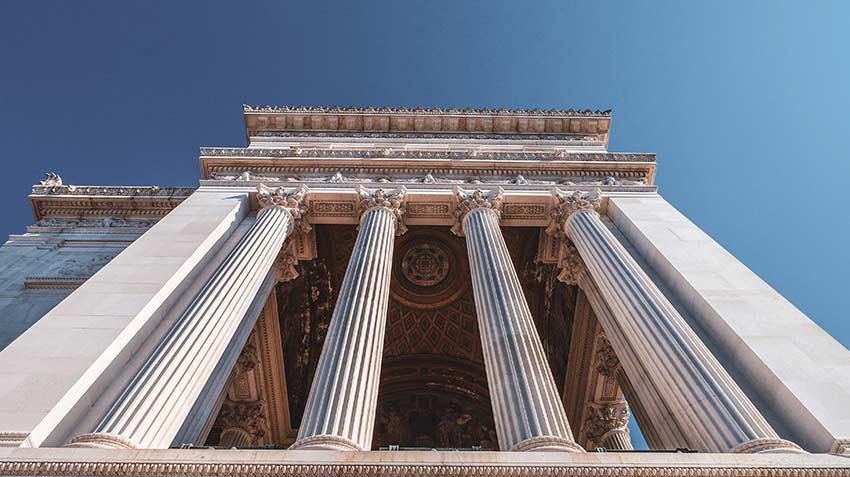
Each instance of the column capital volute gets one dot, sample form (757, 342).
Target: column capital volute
(392, 200)
(471, 200)
(567, 203)
(292, 201)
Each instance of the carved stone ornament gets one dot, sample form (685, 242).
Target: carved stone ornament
(467, 201)
(604, 418)
(566, 203)
(291, 201)
(52, 179)
(571, 264)
(392, 200)
(607, 362)
(249, 417)
(286, 264)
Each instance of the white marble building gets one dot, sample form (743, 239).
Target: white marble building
(395, 291)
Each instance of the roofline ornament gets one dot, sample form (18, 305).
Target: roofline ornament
(246, 108)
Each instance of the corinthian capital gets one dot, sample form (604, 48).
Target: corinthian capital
(604, 418)
(393, 200)
(567, 203)
(292, 201)
(467, 201)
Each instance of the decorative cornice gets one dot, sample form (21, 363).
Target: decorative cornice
(372, 153)
(573, 139)
(105, 222)
(113, 206)
(393, 200)
(120, 191)
(292, 201)
(429, 111)
(467, 201)
(607, 362)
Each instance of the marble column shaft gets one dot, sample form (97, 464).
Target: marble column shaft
(153, 407)
(528, 412)
(705, 401)
(340, 410)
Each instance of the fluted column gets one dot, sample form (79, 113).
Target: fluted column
(528, 412)
(704, 400)
(340, 411)
(153, 407)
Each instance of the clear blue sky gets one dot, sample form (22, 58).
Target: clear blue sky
(745, 103)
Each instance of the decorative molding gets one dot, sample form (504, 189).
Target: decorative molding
(467, 201)
(137, 206)
(12, 438)
(49, 282)
(132, 466)
(105, 222)
(375, 153)
(429, 111)
(120, 191)
(590, 140)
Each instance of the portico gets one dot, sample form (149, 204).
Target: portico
(406, 279)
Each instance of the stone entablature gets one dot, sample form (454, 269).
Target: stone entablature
(453, 121)
(60, 205)
(626, 176)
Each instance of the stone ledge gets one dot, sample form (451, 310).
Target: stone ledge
(67, 461)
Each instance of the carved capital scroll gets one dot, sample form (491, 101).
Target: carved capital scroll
(467, 201)
(567, 203)
(393, 200)
(292, 201)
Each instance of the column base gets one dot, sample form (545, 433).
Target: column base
(326, 442)
(767, 445)
(101, 440)
(547, 444)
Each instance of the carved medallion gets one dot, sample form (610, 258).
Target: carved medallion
(430, 269)
(425, 264)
